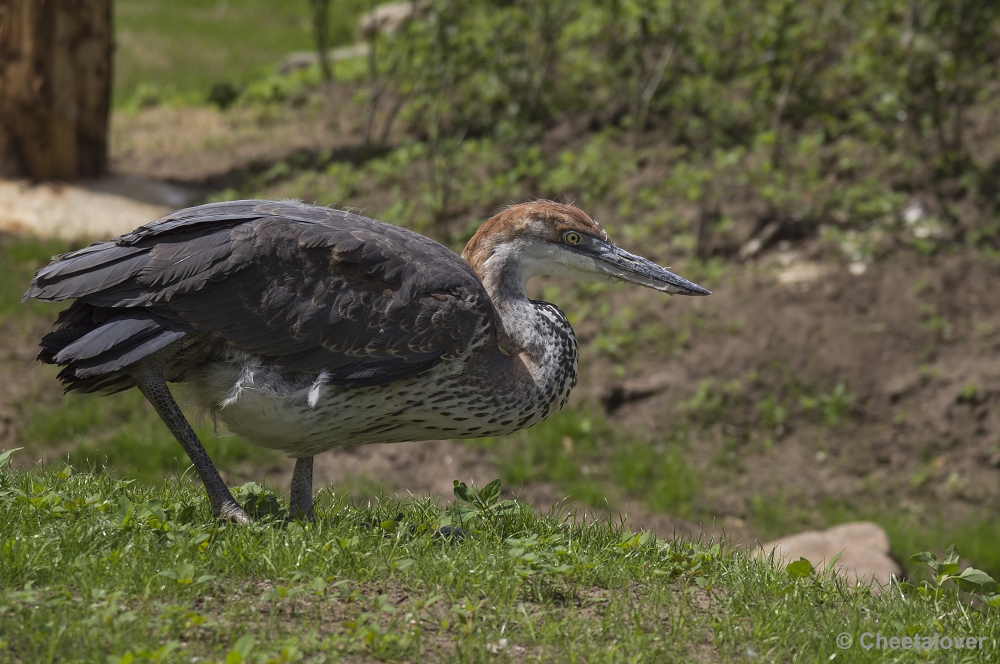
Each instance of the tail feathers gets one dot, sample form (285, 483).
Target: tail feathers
(96, 345)
(105, 384)
(74, 322)
(110, 336)
(53, 342)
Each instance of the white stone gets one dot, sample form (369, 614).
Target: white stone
(387, 18)
(71, 211)
(865, 548)
(803, 272)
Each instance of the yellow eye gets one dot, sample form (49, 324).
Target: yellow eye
(571, 237)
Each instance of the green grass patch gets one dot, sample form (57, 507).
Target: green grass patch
(977, 538)
(181, 48)
(94, 568)
(659, 474)
(593, 462)
(549, 451)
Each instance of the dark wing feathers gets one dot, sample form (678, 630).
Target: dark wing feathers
(85, 259)
(314, 289)
(195, 219)
(171, 263)
(77, 282)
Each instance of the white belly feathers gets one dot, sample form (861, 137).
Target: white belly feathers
(474, 395)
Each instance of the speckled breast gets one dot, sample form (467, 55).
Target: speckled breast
(480, 393)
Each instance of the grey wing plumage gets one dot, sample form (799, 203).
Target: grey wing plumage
(311, 288)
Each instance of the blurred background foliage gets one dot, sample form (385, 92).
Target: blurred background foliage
(869, 122)
(178, 49)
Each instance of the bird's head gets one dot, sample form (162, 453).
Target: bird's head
(552, 239)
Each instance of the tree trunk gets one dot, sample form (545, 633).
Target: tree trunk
(55, 87)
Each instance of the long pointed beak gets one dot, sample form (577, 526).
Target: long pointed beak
(635, 269)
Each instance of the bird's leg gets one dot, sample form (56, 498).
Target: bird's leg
(302, 484)
(149, 378)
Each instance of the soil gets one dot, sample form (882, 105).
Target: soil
(206, 148)
(914, 340)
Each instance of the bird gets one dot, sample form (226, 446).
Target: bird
(305, 328)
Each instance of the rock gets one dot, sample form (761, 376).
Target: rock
(296, 61)
(865, 549)
(95, 210)
(801, 273)
(759, 241)
(387, 18)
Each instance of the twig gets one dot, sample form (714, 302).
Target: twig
(779, 109)
(661, 67)
(650, 90)
(321, 30)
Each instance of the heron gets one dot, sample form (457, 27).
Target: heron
(305, 328)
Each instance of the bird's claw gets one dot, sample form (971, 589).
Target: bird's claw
(234, 514)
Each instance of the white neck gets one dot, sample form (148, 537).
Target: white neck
(536, 337)
(505, 275)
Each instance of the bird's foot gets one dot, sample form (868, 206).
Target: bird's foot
(450, 532)
(233, 513)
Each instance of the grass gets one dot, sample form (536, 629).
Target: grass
(183, 47)
(593, 462)
(582, 455)
(94, 568)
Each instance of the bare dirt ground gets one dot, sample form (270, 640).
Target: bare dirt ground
(915, 341)
(204, 147)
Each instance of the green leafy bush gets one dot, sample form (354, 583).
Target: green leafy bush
(760, 114)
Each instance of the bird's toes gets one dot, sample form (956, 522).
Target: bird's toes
(234, 514)
(450, 532)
